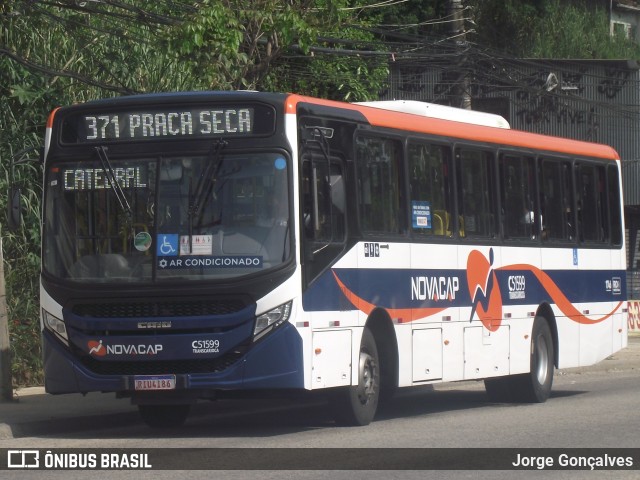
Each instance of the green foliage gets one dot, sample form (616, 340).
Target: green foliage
(549, 29)
(571, 31)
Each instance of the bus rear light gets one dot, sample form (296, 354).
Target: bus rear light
(335, 323)
(507, 315)
(55, 325)
(271, 320)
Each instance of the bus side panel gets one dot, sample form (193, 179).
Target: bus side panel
(428, 261)
(562, 259)
(520, 302)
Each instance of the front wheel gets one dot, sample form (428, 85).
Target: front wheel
(357, 405)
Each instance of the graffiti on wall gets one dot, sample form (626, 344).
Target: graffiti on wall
(634, 316)
(546, 96)
(614, 82)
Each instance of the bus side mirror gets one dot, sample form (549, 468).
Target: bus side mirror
(14, 213)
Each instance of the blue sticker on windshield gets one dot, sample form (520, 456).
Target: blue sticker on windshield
(280, 163)
(167, 245)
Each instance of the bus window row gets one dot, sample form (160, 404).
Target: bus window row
(476, 193)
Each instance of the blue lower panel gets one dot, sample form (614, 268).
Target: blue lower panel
(274, 362)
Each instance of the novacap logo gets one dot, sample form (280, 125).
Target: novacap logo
(484, 291)
(96, 348)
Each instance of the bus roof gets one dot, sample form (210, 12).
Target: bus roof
(410, 116)
(433, 110)
(411, 122)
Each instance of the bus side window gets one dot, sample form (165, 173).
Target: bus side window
(429, 185)
(323, 213)
(517, 190)
(614, 208)
(589, 185)
(380, 193)
(324, 201)
(556, 194)
(476, 198)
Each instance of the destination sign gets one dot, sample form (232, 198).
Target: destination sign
(174, 122)
(96, 178)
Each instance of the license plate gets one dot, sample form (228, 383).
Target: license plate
(154, 382)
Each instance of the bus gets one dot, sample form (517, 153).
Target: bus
(199, 245)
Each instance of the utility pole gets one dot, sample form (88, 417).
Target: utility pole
(6, 384)
(461, 97)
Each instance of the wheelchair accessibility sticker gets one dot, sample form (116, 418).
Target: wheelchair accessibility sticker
(167, 245)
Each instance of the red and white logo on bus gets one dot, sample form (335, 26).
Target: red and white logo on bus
(96, 348)
(484, 291)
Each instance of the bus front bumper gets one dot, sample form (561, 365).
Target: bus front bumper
(275, 362)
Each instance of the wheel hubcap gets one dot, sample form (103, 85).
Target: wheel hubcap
(367, 381)
(542, 360)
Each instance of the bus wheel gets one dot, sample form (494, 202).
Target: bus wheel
(164, 416)
(357, 405)
(535, 386)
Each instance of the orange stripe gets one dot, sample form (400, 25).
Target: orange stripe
(51, 115)
(406, 314)
(559, 298)
(412, 314)
(447, 128)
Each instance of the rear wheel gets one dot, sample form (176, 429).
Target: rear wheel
(535, 386)
(532, 387)
(357, 405)
(164, 416)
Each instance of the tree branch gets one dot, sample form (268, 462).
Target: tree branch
(32, 66)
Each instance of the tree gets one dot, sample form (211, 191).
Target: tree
(549, 29)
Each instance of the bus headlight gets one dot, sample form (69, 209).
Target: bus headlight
(55, 325)
(271, 320)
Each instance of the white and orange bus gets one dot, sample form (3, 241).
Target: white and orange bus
(201, 243)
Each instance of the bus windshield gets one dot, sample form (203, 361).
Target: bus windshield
(212, 216)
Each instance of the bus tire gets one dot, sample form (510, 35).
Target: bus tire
(164, 416)
(356, 405)
(535, 386)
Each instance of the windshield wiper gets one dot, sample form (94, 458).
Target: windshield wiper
(113, 181)
(205, 184)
